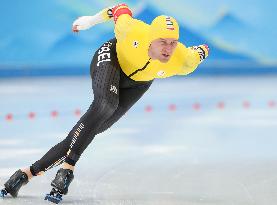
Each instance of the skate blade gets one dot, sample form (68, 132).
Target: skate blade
(53, 199)
(3, 193)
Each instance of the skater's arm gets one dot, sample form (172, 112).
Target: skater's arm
(86, 22)
(121, 14)
(123, 21)
(192, 57)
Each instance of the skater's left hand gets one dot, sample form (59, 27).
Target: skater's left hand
(203, 51)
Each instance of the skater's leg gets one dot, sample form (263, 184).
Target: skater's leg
(23, 176)
(54, 157)
(128, 96)
(105, 84)
(129, 93)
(101, 109)
(105, 101)
(105, 74)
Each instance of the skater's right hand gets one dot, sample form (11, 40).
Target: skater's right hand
(82, 23)
(75, 28)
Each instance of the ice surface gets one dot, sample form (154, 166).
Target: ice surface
(206, 156)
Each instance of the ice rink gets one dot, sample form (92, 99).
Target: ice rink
(188, 141)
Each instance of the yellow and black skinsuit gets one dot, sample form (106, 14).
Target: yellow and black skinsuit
(133, 40)
(121, 72)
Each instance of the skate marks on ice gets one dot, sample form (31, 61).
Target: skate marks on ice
(39, 200)
(165, 180)
(23, 199)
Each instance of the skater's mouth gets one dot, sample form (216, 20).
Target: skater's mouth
(165, 55)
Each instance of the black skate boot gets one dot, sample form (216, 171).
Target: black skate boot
(60, 185)
(16, 181)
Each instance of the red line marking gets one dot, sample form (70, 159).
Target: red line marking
(54, 113)
(196, 106)
(221, 105)
(9, 117)
(77, 112)
(246, 104)
(148, 108)
(172, 107)
(272, 104)
(32, 115)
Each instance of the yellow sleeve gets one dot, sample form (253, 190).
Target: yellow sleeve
(123, 26)
(192, 57)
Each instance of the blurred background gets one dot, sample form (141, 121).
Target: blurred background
(205, 138)
(36, 37)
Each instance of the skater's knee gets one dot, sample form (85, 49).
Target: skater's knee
(116, 116)
(105, 107)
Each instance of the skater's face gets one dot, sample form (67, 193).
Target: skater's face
(162, 49)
